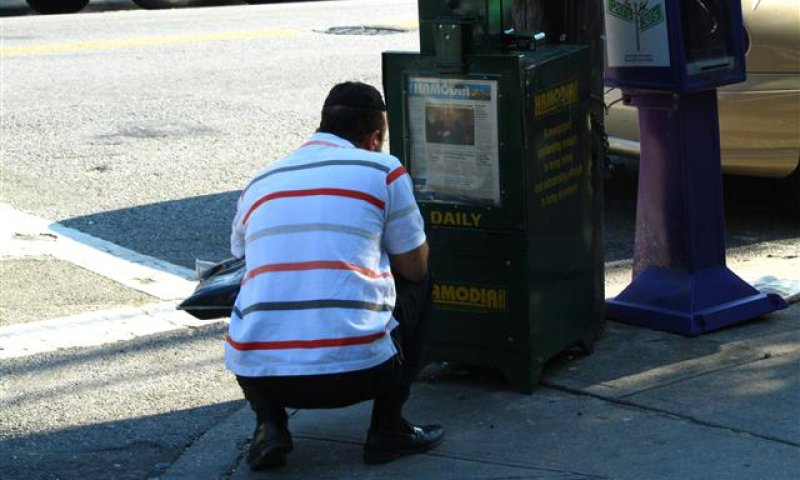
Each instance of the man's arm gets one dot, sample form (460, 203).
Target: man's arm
(237, 237)
(411, 265)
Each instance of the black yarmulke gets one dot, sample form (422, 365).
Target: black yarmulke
(355, 94)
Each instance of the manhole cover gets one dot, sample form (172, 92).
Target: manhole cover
(364, 30)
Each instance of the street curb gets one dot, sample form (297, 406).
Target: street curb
(216, 453)
(94, 328)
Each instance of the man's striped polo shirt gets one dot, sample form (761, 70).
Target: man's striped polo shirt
(317, 229)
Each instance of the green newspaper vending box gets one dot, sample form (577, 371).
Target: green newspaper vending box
(495, 132)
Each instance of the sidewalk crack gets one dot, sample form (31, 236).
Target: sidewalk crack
(696, 375)
(688, 418)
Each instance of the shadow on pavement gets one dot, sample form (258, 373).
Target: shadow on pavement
(182, 231)
(753, 213)
(134, 448)
(55, 407)
(178, 231)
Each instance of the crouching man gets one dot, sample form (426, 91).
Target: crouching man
(333, 306)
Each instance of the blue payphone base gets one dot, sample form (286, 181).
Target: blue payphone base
(690, 303)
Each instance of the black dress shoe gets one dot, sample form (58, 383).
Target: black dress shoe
(269, 447)
(385, 446)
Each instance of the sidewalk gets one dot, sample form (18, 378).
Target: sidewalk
(644, 405)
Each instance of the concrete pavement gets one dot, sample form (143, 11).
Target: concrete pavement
(644, 405)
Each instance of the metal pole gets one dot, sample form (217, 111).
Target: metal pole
(527, 15)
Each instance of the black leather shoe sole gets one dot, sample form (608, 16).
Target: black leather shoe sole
(269, 448)
(268, 457)
(376, 457)
(395, 447)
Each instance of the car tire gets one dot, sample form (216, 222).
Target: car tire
(48, 7)
(790, 192)
(161, 4)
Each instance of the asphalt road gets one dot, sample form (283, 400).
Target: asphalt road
(139, 127)
(123, 411)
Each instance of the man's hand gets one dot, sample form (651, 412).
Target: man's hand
(411, 265)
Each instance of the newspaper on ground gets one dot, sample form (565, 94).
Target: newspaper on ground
(789, 290)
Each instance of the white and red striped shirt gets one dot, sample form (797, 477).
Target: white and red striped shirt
(316, 229)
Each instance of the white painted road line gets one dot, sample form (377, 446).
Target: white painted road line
(23, 235)
(92, 329)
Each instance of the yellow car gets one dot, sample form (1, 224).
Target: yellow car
(760, 118)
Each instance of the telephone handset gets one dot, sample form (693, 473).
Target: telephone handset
(705, 32)
(708, 17)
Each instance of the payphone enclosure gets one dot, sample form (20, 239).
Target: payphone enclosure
(669, 56)
(679, 46)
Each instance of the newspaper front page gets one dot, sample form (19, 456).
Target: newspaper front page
(454, 140)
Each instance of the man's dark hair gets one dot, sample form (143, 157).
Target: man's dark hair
(353, 110)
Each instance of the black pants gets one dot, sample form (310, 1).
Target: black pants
(388, 383)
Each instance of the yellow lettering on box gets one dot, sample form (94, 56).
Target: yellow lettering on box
(558, 130)
(469, 296)
(462, 294)
(455, 219)
(555, 99)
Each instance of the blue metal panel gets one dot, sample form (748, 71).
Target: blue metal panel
(705, 40)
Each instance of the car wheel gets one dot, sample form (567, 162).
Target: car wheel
(159, 4)
(57, 6)
(790, 192)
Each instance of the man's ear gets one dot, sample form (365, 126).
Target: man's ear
(374, 142)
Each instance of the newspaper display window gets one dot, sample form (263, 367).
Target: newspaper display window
(454, 140)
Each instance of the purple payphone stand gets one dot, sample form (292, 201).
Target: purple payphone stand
(669, 56)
